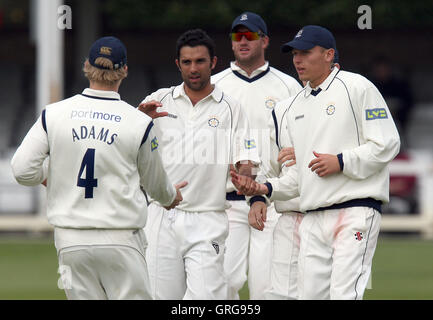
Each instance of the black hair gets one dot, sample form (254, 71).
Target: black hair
(194, 38)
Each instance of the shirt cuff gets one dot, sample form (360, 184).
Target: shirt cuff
(340, 161)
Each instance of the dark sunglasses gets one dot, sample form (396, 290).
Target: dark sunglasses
(250, 36)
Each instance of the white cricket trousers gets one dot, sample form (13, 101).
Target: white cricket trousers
(284, 268)
(103, 264)
(186, 254)
(249, 251)
(336, 253)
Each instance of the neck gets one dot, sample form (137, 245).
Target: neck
(250, 67)
(196, 96)
(317, 82)
(99, 86)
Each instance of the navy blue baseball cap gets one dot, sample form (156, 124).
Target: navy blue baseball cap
(309, 37)
(252, 21)
(110, 48)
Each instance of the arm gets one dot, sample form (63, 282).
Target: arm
(27, 162)
(380, 141)
(153, 177)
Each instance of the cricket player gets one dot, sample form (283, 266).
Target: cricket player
(100, 151)
(258, 87)
(344, 137)
(202, 131)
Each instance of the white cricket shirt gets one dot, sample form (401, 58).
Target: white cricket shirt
(199, 142)
(100, 151)
(258, 94)
(279, 139)
(347, 116)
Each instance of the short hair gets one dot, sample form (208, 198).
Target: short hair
(107, 76)
(194, 38)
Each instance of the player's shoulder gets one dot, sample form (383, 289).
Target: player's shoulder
(284, 77)
(160, 94)
(221, 75)
(227, 98)
(353, 80)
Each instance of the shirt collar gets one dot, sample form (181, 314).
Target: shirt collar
(256, 72)
(324, 85)
(179, 91)
(101, 94)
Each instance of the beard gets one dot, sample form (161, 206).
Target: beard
(247, 61)
(195, 86)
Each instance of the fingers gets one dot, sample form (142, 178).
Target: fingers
(257, 215)
(181, 185)
(286, 154)
(290, 163)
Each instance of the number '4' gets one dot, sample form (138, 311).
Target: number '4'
(89, 182)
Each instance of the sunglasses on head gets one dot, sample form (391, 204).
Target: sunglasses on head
(250, 36)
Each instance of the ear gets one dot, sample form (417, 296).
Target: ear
(330, 55)
(177, 64)
(214, 62)
(265, 42)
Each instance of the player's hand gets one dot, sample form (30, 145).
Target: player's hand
(287, 154)
(257, 215)
(324, 164)
(178, 197)
(44, 183)
(247, 186)
(150, 107)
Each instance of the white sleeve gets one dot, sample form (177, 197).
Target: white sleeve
(153, 176)
(244, 145)
(381, 141)
(27, 162)
(285, 185)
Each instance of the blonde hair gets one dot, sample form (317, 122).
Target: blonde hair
(106, 76)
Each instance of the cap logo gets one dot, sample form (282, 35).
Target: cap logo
(299, 33)
(105, 50)
(244, 17)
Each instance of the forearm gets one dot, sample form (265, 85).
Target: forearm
(247, 169)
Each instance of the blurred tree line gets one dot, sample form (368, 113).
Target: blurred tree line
(218, 14)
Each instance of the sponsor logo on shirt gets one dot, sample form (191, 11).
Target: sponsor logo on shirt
(250, 144)
(170, 115)
(359, 236)
(377, 113)
(154, 144)
(94, 115)
(216, 246)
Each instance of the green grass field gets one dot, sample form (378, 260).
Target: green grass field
(402, 269)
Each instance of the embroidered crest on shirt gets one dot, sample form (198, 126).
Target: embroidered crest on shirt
(330, 109)
(213, 122)
(270, 103)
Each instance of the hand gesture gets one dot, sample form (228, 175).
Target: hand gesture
(178, 197)
(324, 164)
(257, 215)
(287, 154)
(150, 107)
(247, 186)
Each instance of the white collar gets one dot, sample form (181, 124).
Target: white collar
(101, 94)
(256, 72)
(324, 85)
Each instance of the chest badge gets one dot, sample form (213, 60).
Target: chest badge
(213, 122)
(330, 109)
(270, 103)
